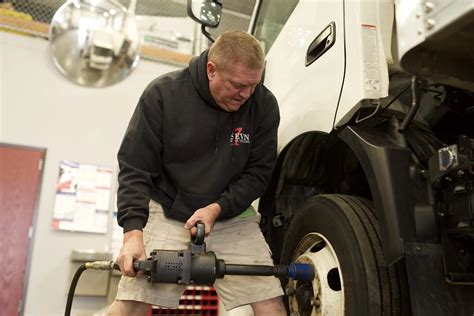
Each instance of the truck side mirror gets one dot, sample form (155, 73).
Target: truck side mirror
(205, 12)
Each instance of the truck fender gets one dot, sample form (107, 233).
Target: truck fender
(386, 165)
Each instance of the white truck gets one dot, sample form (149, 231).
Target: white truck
(102, 46)
(374, 183)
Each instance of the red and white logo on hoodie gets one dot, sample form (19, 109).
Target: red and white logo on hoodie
(237, 137)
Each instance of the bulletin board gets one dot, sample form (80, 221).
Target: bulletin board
(82, 199)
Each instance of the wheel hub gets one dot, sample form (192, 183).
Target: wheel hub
(324, 295)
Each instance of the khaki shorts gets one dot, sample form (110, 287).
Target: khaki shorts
(236, 241)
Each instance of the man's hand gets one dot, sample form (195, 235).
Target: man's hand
(132, 249)
(207, 215)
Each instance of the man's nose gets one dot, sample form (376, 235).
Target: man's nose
(245, 92)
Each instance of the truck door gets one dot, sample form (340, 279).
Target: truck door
(304, 45)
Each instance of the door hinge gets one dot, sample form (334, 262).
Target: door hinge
(40, 164)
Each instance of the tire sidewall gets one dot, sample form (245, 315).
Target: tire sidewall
(349, 241)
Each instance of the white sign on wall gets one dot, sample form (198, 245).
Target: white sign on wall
(170, 33)
(82, 197)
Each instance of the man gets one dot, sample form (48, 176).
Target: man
(201, 145)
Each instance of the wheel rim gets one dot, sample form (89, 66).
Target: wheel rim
(324, 295)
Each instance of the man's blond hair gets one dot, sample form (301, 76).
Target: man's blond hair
(232, 47)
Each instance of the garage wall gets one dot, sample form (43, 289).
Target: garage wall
(39, 107)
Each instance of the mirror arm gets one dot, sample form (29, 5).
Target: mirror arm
(207, 34)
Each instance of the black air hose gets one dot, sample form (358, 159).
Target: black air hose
(72, 289)
(98, 265)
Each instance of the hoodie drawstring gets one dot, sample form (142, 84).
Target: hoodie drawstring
(234, 140)
(216, 146)
(217, 132)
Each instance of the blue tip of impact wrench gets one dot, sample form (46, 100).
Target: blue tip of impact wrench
(301, 271)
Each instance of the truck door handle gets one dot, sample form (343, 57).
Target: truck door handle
(321, 44)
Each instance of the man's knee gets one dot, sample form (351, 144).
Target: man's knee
(272, 306)
(132, 308)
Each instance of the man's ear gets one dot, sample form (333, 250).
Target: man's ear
(211, 70)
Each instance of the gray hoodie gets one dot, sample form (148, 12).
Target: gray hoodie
(183, 151)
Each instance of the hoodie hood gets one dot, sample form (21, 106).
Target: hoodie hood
(198, 72)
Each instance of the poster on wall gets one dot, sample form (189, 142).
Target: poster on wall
(82, 200)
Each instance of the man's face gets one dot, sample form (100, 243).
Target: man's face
(230, 88)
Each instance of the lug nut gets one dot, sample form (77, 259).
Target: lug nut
(315, 302)
(289, 290)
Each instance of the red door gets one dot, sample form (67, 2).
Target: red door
(20, 181)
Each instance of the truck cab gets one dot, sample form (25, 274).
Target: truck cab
(103, 45)
(374, 179)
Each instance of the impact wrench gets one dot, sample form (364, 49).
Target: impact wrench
(194, 266)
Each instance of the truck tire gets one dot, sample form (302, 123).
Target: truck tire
(339, 235)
